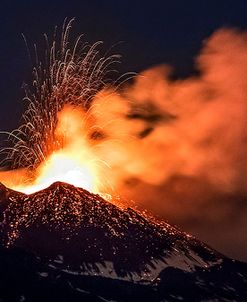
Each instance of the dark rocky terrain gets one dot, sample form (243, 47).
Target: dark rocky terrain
(66, 244)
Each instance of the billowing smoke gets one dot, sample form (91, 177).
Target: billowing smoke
(158, 128)
(179, 147)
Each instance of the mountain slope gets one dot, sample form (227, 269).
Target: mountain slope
(83, 246)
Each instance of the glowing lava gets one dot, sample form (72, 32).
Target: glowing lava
(74, 163)
(60, 167)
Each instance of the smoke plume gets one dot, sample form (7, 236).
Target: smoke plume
(158, 128)
(179, 146)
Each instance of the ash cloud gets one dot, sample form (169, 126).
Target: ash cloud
(179, 147)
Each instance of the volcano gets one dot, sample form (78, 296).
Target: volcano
(66, 244)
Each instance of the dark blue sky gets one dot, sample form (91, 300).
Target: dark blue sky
(152, 32)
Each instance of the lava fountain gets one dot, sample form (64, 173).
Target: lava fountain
(55, 143)
(75, 162)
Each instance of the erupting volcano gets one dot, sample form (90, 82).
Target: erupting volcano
(58, 138)
(65, 243)
(65, 235)
(75, 162)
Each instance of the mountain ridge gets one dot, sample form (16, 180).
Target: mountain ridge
(76, 235)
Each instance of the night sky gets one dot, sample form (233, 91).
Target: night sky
(149, 32)
(145, 33)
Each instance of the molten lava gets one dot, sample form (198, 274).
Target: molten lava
(63, 167)
(74, 163)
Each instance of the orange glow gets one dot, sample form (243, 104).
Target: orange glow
(75, 163)
(63, 167)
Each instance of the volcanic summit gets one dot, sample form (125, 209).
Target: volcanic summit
(64, 243)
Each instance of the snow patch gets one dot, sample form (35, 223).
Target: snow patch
(151, 270)
(43, 274)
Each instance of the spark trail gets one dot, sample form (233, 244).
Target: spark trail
(71, 74)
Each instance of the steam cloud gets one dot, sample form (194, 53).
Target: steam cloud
(194, 127)
(185, 141)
